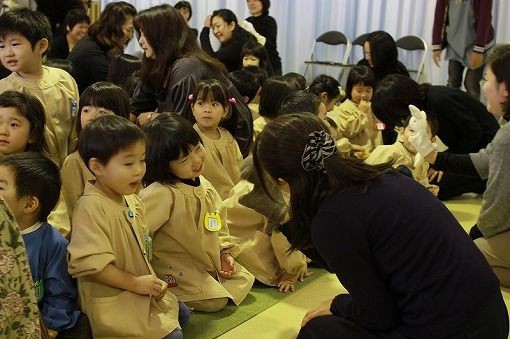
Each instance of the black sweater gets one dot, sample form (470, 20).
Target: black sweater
(465, 125)
(266, 26)
(407, 263)
(229, 52)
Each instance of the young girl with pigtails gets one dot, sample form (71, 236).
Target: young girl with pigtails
(211, 106)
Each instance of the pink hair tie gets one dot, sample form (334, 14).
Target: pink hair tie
(232, 101)
(190, 97)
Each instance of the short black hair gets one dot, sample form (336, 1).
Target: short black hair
(184, 4)
(359, 75)
(33, 25)
(300, 101)
(259, 73)
(32, 109)
(245, 82)
(272, 94)
(325, 83)
(298, 78)
(35, 175)
(76, 16)
(168, 136)
(107, 95)
(107, 135)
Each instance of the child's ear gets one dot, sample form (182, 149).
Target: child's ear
(42, 45)
(324, 97)
(31, 204)
(246, 99)
(95, 166)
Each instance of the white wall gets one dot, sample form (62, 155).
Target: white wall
(301, 21)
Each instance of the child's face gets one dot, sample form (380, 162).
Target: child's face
(330, 103)
(18, 56)
(14, 131)
(147, 49)
(8, 191)
(191, 165)
(208, 113)
(78, 31)
(360, 93)
(89, 113)
(251, 60)
(123, 173)
(406, 133)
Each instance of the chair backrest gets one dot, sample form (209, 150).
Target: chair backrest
(414, 43)
(332, 38)
(360, 40)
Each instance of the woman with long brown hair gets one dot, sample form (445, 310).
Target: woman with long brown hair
(172, 66)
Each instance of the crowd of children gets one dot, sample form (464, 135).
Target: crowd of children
(171, 215)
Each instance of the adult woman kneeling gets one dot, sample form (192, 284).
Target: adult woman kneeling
(410, 269)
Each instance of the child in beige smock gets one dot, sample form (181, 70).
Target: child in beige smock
(222, 164)
(105, 232)
(186, 250)
(58, 93)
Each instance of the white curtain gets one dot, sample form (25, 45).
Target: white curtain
(301, 21)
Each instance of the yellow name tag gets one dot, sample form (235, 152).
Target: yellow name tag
(212, 221)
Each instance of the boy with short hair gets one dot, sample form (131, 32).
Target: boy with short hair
(110, 249)
(30, 184)
(24, 39)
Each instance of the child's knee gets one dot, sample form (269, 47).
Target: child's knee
(209, 305)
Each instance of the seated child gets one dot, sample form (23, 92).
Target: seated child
(192, 248)
(264, 251)
(328, 89)
(299, 79)
(261, 76)
(403, 153)
(354, 118)
(273, 92)
(210, 105)
(254, 54)
(28, 32)
(248, 86)
(110, 249)
(30, 184)
(100, 98)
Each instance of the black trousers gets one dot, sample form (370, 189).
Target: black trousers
(81, 329)
(491, 321)
(452, 185)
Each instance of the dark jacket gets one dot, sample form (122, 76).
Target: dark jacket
(266, 26)
(229, 52)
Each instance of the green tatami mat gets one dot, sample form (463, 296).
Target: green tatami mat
(211, 325)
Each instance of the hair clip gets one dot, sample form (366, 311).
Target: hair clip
(232, 101)
(190, 97)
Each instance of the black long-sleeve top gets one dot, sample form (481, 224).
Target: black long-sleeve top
(266, 26)
(465, 125)
(407, 263)
(229, 52)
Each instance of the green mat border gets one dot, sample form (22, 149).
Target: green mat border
(212, 325)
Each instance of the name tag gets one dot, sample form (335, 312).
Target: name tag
(212, 221)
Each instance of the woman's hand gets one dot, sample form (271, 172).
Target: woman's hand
(322, 310)
(207, 21)
(144, 118)
(227, 265)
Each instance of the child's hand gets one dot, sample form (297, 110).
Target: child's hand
(150, 285)
(144, 118)
(304, 274)
(227, 265)
(364, 106)
(286, 282)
